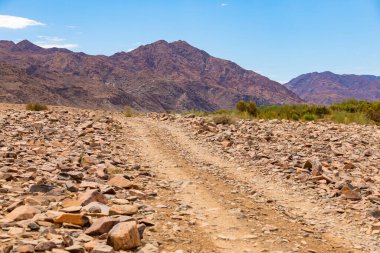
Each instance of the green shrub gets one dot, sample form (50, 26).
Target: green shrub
(352, 105)
(374, 115)
(129, 112)
(249, 107)
(252, 108)
(241, 106)
(318, 110)
(349, 117)
(223, 119)
(36, 107)
(309, 116)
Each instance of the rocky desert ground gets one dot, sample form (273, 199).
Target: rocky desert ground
(75, 180)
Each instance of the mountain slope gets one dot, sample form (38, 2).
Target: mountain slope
(327, 87)
(160, 76)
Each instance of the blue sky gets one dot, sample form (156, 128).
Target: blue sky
(277, 38)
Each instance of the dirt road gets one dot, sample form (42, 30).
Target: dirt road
(217, 205)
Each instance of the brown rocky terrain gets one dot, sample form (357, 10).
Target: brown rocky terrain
(327, 87)
(157, 77)
(75, 180)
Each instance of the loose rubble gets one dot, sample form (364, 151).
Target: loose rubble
(336, 164)
(68, 185)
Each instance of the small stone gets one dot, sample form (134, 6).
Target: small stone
(124, 236)
(67, 240)
(76, 219)
(33, 226)
(141, 228)
(41, 188)
(86, 198)
(120, 181)
(44, 246)
(102, 249)
(101, 226)
(148, 248)
(75, 249)
(70, 186)
(24, 249)
(96, 207)
(350, 194)
(22, 213)
(123, 210)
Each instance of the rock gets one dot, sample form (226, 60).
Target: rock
(374, 213)
(141, 228)
(59, 251)
(41, 188)
(86, 198)
(314, 166)
(22, 213)
(67, 240)
(350, 194)
(123, 210)
(96, 207)
(70, 186)
(101, 226)
(120, 181)
(33, 226)
(24, 249)
(124, 236)
(45, 246)
(148, 248)
(76, 219)
(102, 249)
(75, 249)
(6, 248)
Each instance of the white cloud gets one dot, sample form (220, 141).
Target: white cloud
(50, 42)
(71, 26)
(68, 46)
(13, 22)
(223, 4)
(52, 39)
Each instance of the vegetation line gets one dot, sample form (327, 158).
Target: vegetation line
(346, 112)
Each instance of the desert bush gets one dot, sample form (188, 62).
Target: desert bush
(241, 106)
(309, 117)
(349, 117)
(36, 107)
(129, 112)
(252, 108)
(249, 107)
(293, 112)
(223, 119)
(374, 115)
(352, 106)
(318, 110)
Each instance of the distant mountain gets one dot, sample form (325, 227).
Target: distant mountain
(157, 77)
(327, 87)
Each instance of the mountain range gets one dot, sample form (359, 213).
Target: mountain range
(327, 87)
(160, 76)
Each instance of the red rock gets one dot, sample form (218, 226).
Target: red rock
(76, 219)
(120, 181)
(101, 226)
(22, 213)
(124, 236)
(123, 210)
(86, 198)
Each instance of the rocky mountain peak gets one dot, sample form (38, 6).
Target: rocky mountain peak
(159, 76)
(26, 46)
